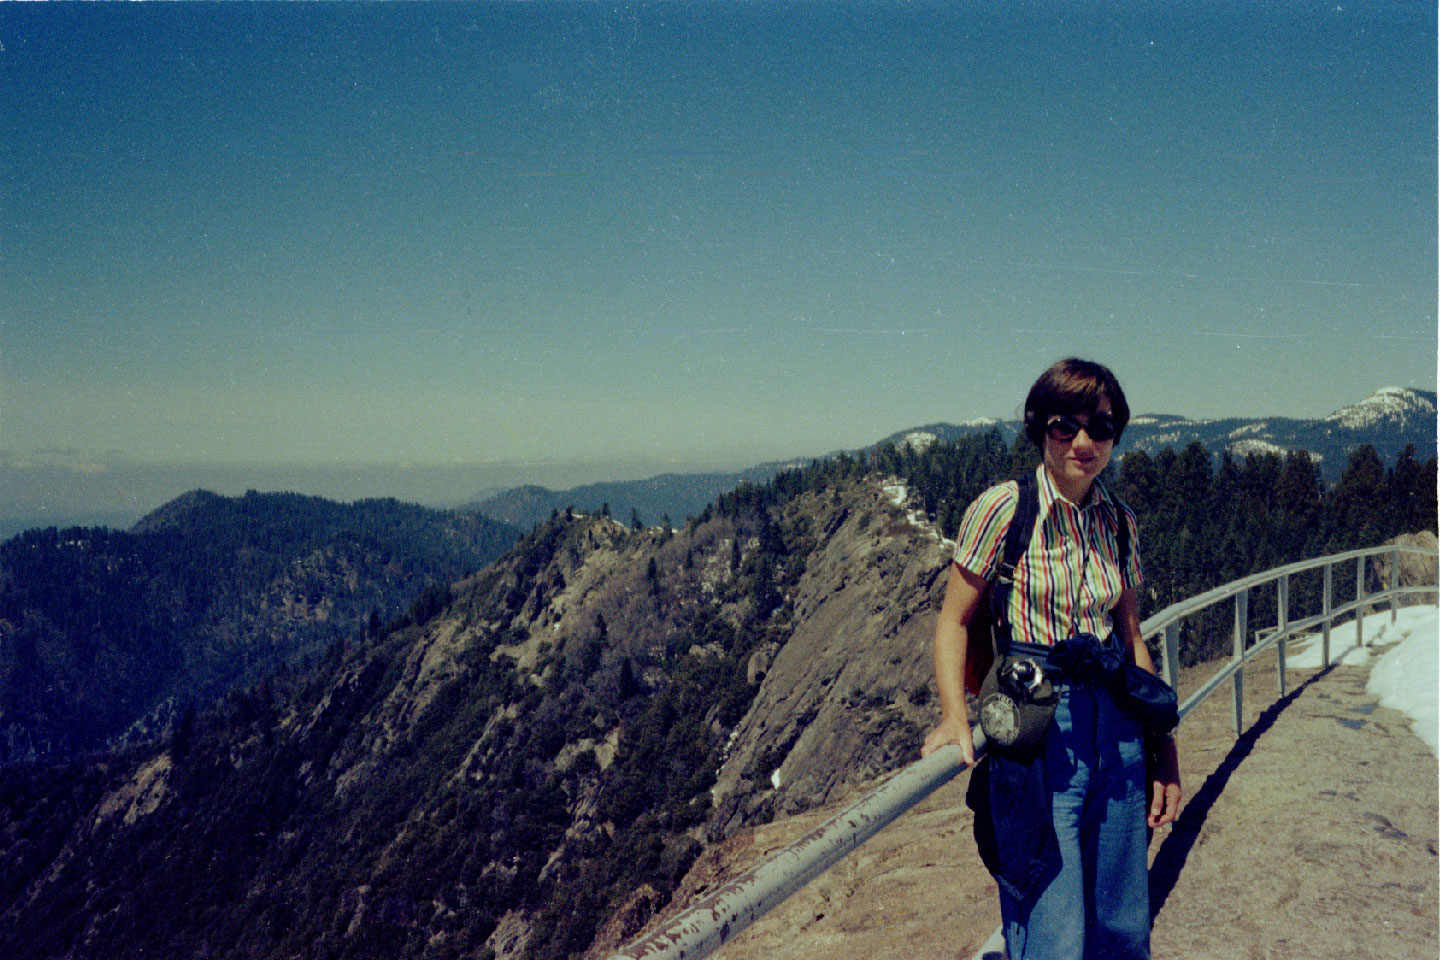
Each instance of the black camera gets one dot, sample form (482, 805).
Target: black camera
(1022, 678)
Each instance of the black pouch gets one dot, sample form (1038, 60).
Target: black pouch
(1014, 825)
(1150, 700)
(1017, 703)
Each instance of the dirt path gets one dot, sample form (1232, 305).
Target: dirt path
(1314, 834)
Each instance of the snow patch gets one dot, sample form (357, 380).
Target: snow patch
(899, 495)
(1403, 677)
(1243, 448)
(1248, 429)
(919, 440)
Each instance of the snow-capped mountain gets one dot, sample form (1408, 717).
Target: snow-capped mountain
(1388, 405)
(1388, 419)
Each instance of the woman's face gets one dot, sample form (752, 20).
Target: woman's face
(1074, 464)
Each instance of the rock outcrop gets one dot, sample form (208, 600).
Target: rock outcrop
(848, 697)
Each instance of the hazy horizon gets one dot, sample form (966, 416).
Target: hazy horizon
(117, 492)
(536, 242)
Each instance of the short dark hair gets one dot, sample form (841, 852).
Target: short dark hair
(1073, 386)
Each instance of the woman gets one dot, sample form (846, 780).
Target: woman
(1074, 580)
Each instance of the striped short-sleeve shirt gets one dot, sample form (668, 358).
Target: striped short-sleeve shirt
(1069, 578)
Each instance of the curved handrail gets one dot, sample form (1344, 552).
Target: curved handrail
(717, 918)
(1179, 611)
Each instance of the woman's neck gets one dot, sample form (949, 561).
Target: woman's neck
(1075, 493)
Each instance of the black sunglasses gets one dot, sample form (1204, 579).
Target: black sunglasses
(1100, 428)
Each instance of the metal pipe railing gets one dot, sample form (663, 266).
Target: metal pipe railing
(733, 907)
(1185, 608)
(719, 917)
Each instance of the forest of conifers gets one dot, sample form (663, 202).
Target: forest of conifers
(1203, 522)
(257, 849)
(102, 627)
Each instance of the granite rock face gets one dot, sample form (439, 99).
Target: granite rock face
(1415, 569)
(849, 696)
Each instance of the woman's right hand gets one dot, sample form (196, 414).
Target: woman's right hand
(954, 730)
(963, 594)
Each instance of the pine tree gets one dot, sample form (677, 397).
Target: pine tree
(627, 685)
(1411, 493)
(1024, 456)
(1358, 502)
(1139, 482)
(1299, 496)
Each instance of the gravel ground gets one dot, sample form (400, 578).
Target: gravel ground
(1313, 834)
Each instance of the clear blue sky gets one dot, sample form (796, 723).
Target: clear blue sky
(481, 233)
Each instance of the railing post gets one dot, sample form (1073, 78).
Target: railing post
(1171, 654)
(1327, 602)
(1282, 617)
(1242, 618)
(1394, 583)
(1359, 595)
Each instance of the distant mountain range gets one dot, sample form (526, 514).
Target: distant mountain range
(1387, 420)
(676, 495)
(107, 634)
(529, 763)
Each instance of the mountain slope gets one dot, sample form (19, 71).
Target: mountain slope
(1388, 408)
(508, 767)
(552, 741)
(102, 629)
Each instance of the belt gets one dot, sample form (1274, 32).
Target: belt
(1083, 660)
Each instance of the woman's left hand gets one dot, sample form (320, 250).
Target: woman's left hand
(1165, 792)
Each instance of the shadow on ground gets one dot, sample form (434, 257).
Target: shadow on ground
(1175, 848)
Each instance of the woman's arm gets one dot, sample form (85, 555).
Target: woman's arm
(1165, 792)
(963, 594)
(1126, 617)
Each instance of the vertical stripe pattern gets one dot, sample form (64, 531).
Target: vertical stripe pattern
(1069, 577)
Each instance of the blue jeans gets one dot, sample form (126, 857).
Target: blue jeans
(1098, 906)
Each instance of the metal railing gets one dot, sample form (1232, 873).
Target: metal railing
(719, 917)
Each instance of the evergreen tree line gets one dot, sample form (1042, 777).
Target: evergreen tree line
(1203, 525)
(1203, 520)
(459, 822)
(108, 625)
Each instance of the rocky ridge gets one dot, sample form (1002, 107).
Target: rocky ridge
(528, 763)
(847, 697)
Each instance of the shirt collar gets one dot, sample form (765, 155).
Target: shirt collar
(1049, 494)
